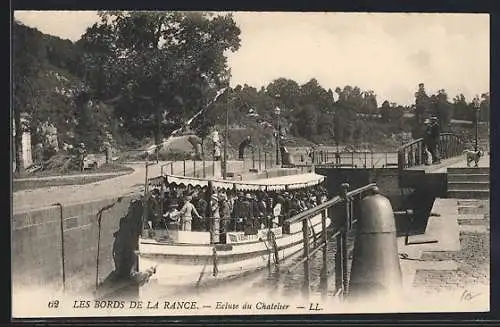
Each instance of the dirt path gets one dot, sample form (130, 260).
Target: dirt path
(120, 185)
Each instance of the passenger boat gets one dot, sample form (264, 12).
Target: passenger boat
(189, 258)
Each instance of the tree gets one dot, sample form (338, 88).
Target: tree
(28, 53)
(286, 90)
(422, 103)
(460, 108)
(440, 107)
(157, 64)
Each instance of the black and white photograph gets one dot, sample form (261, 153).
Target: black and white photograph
(216, 163)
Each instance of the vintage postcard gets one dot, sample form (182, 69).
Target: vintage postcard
(170, 163)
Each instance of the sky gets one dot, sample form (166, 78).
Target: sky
(389, 53)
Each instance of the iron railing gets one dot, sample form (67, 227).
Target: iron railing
(342, 221)
(351, 159)
(414, 153)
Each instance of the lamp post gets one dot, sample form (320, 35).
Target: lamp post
(226, 135)
(277, 112)
(477, 105)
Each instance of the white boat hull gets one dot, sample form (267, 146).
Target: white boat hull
(189, 265)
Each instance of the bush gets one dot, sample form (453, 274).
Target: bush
(172, 156)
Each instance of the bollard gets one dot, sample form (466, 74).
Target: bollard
(375, 272)
(171, 168)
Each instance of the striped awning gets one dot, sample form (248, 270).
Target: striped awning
(271, 184)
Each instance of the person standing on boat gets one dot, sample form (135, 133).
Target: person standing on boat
(201, 206)
(225, 212)
(277, 211)
(255, 211)
(214, 206)
(246, 211)
(153, 202)
(262, 209)
(186, 214)
(238, 212)
(172, 214)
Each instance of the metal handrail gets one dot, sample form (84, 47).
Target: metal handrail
(344, 225)
(413, 153)
(330, 203)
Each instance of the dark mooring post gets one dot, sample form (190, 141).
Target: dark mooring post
(341, 253)
(324, 269)
(305, 237)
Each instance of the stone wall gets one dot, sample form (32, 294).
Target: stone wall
(37, 258)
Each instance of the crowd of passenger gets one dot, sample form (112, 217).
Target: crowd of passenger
(187, 208)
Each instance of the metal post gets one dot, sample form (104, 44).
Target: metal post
(184, 167)
(63, 264)
(226, 135)
(386, 159)
(204, 173)
(210, 213)
(162, 190)
(265, 160)
(253, 158)
(305, 237)
(171, 168)
(476, 107)
(339, 268)
(324, 270)
(260, 162)
(343, 235)
(146, 180)
(194, 168)
(373, 166)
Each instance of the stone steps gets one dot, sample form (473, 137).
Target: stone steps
(468, 183)
(468, 194)
(468, 178)
(468, 170)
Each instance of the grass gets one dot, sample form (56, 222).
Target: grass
(105, 168)
(66, 177)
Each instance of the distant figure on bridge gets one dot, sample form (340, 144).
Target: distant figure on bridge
(242, 147)
(431, 139)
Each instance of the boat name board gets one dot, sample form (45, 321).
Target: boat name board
(240, 237)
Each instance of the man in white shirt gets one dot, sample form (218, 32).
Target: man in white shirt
(186, 214)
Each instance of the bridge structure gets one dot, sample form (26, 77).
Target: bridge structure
(445, 219)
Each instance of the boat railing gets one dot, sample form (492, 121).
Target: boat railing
(344, 213)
